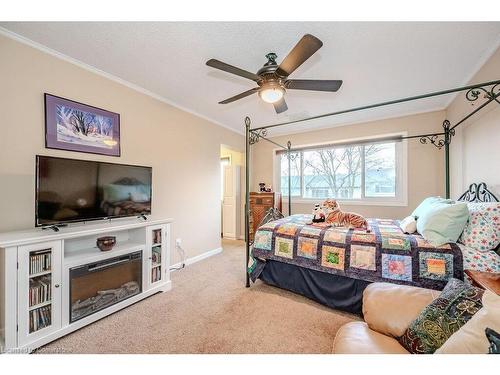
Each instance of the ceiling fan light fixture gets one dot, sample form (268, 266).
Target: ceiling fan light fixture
(272, 79)
(272, 94)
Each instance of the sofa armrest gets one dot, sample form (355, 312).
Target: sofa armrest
(390, 308)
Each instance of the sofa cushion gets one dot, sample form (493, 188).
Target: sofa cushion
(454, 307)
(390, 308)
(471, 338)
(358, 338)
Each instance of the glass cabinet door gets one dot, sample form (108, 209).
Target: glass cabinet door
(39, 290)
(156, 254)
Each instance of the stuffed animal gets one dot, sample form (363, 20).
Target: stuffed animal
(335, 216)
(318, 214)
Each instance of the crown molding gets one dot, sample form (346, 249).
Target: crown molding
(19, 38)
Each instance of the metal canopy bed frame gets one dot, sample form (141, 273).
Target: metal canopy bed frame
(490, 91)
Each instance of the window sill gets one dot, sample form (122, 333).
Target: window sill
(392, 203)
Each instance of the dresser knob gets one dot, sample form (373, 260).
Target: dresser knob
(57, 285)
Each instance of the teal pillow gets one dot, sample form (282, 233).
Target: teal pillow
(427, 205)
(118, 193)
(443, 222)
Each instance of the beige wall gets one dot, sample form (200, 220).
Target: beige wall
(425, 162)
(183, 149)
(475, 149)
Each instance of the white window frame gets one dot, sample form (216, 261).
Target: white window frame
(401, 198)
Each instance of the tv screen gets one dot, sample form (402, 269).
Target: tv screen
(69, 190)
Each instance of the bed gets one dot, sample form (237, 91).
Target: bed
(374, 259)
(333, 265)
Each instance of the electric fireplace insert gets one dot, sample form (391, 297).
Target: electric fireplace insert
(96, 286)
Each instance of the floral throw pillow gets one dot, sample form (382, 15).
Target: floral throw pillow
(482, 231)
(457, 303)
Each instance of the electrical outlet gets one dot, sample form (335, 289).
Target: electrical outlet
(178, 242)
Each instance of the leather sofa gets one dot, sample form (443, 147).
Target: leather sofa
(388, 310)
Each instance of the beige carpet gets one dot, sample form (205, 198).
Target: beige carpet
(210, 311)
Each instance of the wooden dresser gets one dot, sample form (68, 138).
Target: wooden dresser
(259, 204)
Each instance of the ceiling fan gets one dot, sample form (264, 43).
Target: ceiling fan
(272, 79)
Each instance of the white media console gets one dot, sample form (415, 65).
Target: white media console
(52, 283)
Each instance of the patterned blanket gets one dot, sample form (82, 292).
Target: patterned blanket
(383, 254)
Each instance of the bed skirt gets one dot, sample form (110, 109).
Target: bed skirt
(338, 292)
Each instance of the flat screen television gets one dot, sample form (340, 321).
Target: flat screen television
(69, 190)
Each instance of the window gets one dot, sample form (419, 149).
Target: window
(295, 173)
(364, 172)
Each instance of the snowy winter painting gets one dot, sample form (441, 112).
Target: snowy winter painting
(75, 126)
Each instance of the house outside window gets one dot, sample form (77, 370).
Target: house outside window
(361, 172)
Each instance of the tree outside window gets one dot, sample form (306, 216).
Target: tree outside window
(345, 172)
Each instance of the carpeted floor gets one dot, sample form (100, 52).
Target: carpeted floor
(209, 310)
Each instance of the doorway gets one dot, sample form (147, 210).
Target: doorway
(231, 197)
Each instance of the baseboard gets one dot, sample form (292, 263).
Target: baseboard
(198, 258)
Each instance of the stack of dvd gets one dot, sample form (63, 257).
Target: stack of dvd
(40, 290)
(155, 274)
(40, 262)
(40, 318)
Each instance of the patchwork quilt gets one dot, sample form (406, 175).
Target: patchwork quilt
(385, 253)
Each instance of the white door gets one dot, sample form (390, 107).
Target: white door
(39, 290)
(230, 202)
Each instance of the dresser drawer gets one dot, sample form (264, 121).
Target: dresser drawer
(266, 201)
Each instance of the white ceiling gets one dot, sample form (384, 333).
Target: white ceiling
(376, 61)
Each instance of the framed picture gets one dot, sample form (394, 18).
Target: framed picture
(74, 126)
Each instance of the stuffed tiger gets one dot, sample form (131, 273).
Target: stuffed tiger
(335, 216)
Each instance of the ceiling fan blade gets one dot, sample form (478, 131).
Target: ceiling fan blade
(240, 96)
(280, 106)
(313, 84)
(305, 48)
(232, 69)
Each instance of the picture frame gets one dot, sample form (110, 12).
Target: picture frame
(75, 126)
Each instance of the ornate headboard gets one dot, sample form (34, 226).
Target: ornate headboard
(478, 193)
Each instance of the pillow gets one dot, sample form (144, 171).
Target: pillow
(408, 225)
(443, 222)
(454, 307)
(139, 196)
(482, 231)
(118, 193)
(427, 204)
(471, 338)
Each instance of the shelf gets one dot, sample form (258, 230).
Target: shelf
(89, 255)
(156, 244)
(156, 265)
(40, 305)
(78, 230)
(40, 274)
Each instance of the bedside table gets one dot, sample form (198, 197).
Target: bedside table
(485, 280)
